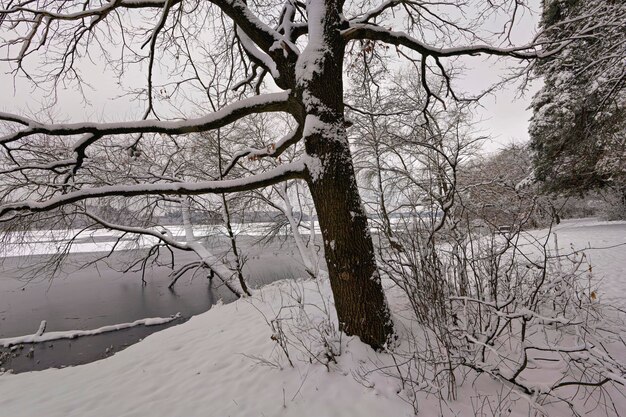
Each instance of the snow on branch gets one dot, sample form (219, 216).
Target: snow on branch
(377, 33)
(263, 35)
(141, 4)
(273, 102)
(255, 55)
(259, 32)
(40, 336)
(273, 150)
(14, 118)
(293, 170)
(166, 238)
(374, 13)
(52, 166)
(207, 259)
(40, 11)
(40, 15)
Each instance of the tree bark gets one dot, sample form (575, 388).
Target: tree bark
(357, 290)
(359, 298)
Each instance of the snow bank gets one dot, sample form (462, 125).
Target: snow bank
(204, 367)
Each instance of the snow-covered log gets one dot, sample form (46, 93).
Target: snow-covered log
(40, 336)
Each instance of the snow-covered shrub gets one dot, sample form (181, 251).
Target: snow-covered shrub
(305, 326)
(506, 307)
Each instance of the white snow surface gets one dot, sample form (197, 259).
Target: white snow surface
(604, 245)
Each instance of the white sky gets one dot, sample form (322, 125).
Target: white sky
(504, 114)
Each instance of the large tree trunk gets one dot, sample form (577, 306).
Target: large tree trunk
(359, 297)
(354, 278)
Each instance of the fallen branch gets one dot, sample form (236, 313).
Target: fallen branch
(40, 336)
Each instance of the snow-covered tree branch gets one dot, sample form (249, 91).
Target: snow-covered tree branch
(285, 172)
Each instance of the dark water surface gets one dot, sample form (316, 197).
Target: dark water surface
(99, 295)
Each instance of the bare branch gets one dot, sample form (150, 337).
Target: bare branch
(294, 170)
(377, 33)
(273, 150)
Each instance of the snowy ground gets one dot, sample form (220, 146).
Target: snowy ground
(224, 363)
(604, 244)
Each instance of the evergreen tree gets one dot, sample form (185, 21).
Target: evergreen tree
(577, 130)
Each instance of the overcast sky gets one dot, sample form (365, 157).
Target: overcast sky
(504, 115)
